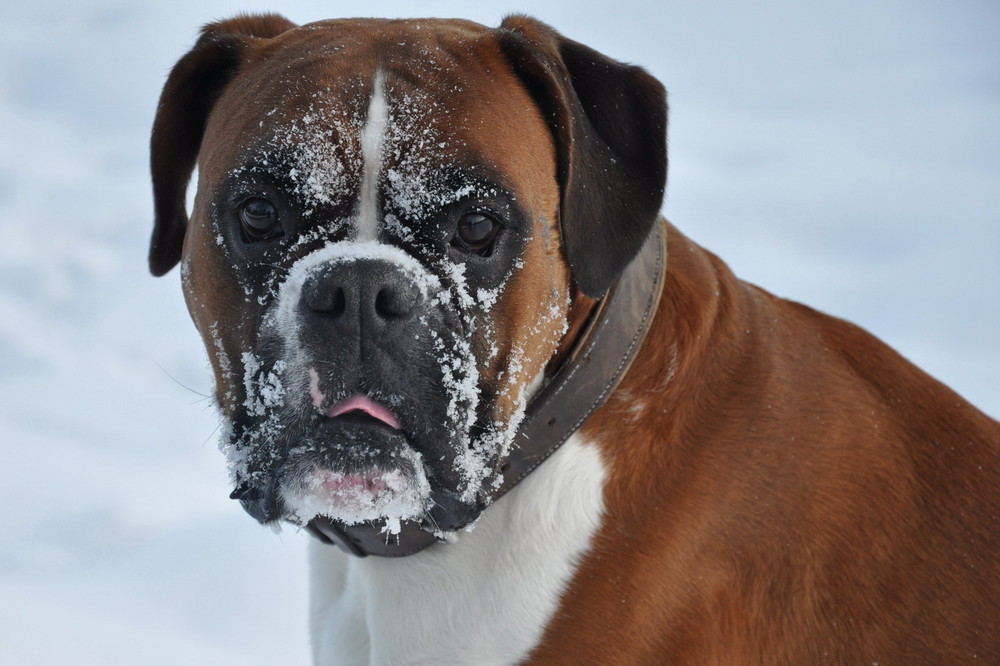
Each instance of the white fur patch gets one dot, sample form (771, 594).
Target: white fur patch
(486, 598)
(372, 141)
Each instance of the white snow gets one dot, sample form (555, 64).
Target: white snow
(281, 318)
(844, 154)
(263, 386)
(394, 495)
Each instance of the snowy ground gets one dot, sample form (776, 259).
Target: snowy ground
(843, 154)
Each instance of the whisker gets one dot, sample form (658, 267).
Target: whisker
(429, 518)
(182, 385)
(212, 434)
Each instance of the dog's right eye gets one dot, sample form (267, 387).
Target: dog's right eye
(259, 220)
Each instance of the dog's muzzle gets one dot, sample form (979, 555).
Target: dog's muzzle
(598, 361)
(362, 400)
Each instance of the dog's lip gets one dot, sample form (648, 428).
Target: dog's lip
(336, 484)
(364, 404)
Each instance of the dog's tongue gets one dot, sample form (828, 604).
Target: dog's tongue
(362, 403)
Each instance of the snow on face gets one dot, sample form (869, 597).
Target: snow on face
(282, 319)
(393, 495)
(252, 454)
(349, 497)
(402, 160)
(321, 160)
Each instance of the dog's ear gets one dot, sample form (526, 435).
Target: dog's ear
(609, 123)
(191, 90)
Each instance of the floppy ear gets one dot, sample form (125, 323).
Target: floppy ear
(609, 122)
(191, 90)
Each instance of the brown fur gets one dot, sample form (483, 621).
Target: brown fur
(791, 492)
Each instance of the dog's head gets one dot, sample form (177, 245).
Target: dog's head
(392, 224)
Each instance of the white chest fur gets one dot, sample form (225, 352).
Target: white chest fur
(485, 599)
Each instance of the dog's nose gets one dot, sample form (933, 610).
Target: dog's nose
(362, 292)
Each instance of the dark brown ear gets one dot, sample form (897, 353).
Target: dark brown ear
(191, 91)
(609, 122)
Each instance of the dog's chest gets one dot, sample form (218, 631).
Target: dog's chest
(485, 599)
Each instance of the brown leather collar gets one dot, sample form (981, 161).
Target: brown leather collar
(595, 366)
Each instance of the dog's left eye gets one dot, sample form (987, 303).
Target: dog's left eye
(259, 220)
(476, 232)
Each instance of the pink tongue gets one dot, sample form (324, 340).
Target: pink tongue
(364, 404)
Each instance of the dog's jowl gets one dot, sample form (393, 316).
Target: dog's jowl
(525, 419)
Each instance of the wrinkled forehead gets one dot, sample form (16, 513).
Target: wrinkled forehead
(443, 91)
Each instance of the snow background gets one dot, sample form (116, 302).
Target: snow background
(843, 154)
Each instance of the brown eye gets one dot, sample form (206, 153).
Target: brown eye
(476, 232)
(259, 219)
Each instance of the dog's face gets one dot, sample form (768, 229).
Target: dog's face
(369, 229)
(375, 258)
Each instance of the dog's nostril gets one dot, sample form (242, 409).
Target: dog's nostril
(396, 300)
(325, 298)
(339, 303)
(363, 292)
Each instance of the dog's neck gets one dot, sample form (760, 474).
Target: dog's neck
(484, 599)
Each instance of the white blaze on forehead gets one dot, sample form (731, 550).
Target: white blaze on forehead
(372, 141)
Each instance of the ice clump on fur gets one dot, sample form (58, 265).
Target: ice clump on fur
(250, 454)
(313, 151)
(393, 495)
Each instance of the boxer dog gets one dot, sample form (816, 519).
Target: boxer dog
(451, 335)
